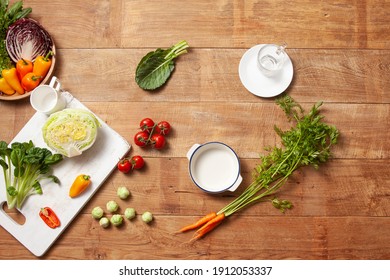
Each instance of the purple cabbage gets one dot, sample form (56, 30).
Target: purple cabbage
(27, 39)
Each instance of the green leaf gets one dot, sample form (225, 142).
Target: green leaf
(34, 156)
(156, 67)
(19, 171)
(53, 159)
(17, 156)
(12, 191)
(15, 7)
(54, 178)
(37, 188)
(44, 169)
(3, 164)
(3, 144)
(22, 14)
(154, 73)
(4, 150)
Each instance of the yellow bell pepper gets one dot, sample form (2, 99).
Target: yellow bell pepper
(11, 76)
(42, 65)
(79, 185)
(5, 87)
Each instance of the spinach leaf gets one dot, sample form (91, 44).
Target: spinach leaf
(156, 67)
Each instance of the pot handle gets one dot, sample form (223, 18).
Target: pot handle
(236, 184)
(192, 150)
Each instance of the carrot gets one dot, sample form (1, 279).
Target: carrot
(199, 222)
(218, 218)
(209, 226)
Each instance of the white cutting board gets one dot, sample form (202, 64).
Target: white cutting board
(98, 162)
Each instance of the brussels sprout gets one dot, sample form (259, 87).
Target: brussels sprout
(97, 212)
(130, 213)
(123, 192)
(104, 222)
(116, 220)
(112, 206)
(147, 217)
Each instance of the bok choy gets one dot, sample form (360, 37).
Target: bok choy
(24, 167)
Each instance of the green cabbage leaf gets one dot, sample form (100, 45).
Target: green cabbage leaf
(71, 131)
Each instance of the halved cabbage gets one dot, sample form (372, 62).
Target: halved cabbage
(70, 131)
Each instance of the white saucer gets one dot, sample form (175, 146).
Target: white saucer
(259, 84)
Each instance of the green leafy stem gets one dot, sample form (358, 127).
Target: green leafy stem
(308, 143)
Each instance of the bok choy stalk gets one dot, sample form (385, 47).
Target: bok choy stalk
(24, 167)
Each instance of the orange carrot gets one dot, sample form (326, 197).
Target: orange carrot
(199, 222)
(209, 226)
(218, 218)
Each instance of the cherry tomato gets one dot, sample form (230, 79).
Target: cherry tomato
(158, 141)
(156, 130)
(137, 162)
(164, 127)
(147, 125)
(124, 165)
(141, 138)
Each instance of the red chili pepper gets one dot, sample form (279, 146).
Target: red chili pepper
(49, 217)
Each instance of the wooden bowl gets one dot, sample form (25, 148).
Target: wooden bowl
(17, 96)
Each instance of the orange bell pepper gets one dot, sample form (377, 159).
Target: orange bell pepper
(79, 185)
(30, 81)
(23, 66)
(49, 217)
(42, 64)
(12, 79)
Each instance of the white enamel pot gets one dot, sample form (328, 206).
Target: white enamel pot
(214, 167)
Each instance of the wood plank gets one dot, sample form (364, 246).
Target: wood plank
(361, 125)
(212, 75)
(218, 24)
(267, 238)
(329, 75)
(334, 217)
(341, 55)
(339, 188)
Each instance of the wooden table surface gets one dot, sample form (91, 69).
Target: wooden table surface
(341, 55)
